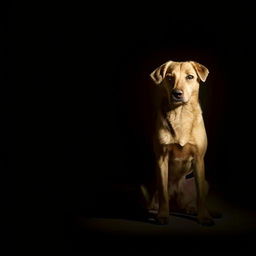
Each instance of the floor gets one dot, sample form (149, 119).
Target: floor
(235, 231)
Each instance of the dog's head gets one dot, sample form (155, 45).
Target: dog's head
(180, 80)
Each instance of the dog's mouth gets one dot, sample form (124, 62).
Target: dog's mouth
(177, 100)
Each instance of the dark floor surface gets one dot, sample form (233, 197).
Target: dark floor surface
(234, 232)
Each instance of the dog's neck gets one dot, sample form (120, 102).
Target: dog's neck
(193, 106)
(180, 119)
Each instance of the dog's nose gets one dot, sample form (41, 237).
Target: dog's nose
(177, 94)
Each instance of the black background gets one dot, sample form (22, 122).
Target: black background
(91, 66)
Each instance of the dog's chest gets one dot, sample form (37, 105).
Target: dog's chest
(180, 160)
(177, 129)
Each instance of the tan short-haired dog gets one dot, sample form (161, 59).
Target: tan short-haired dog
(180, 140)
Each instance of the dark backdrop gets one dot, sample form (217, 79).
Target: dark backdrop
(91, 96)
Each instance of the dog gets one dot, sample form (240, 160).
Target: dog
(179, 142)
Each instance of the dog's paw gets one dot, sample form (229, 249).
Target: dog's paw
(162, 220)
(205, 221)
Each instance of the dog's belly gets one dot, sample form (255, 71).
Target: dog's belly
(180, 161)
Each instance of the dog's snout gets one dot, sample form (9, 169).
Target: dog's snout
(178, 94)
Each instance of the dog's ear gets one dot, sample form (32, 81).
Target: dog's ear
(201, 70)
(159, 73)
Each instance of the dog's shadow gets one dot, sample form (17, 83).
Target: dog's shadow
(184, 216)
(137, 215)
(152, 217)
(123, 206)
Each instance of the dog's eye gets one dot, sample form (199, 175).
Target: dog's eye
(189, 77)
(169, 77)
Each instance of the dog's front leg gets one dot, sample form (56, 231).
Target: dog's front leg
(162, 180)
(203, 215)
